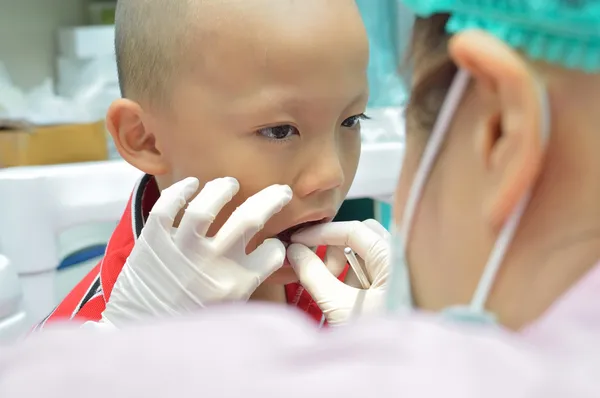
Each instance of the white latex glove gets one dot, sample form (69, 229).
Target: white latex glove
(339, 301)
(170, 273)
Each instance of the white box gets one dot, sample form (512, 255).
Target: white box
(378, 170)
(74, 73)
(87, 41)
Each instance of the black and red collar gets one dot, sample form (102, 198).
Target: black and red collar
(145, 195)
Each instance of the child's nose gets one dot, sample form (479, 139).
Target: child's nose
(322, 172)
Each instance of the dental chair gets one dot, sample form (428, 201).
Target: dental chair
(38, 203)
(12, 314)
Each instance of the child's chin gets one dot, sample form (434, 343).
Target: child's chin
(283, 276)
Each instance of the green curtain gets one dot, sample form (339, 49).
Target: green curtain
(388, 25)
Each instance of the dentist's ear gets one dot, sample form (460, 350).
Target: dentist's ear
(511, 143)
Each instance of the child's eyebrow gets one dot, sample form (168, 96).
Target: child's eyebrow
(287, 108)
(363, 97)
(353, 96)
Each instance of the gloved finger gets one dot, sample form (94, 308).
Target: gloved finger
(266, 258)
(170, 202)
(203, 209)
(376, 227)
(335, 260)
(322, 285)
(377, 268)
(354, 234)
(252, 216)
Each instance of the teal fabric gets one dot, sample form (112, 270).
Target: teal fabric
(384, 27)
(563, 32)
(384, 214)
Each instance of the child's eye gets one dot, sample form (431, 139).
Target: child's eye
(278, 132)
(354, 121)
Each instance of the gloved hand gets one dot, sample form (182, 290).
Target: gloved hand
(339, 301)
(170, 273)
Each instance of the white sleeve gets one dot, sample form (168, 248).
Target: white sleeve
(264, 351)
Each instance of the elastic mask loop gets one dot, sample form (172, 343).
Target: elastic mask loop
(434, 144)
(510, 228)
(399, 291)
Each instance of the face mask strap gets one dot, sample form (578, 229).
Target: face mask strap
(399, 297)
(440, 130)
(497, 256)
(510, 228)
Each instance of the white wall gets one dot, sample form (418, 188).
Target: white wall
(28, 35)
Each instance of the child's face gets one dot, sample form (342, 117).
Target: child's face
(276, 100)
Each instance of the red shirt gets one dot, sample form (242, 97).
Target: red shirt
(88, 299)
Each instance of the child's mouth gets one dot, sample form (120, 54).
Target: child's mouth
(286, 236)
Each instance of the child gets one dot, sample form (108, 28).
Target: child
(267, 91)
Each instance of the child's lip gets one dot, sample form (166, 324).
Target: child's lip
(285, 235)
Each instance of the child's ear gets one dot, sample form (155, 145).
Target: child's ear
(511, 143)
(133, 137)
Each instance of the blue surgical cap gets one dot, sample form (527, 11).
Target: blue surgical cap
(562, 32)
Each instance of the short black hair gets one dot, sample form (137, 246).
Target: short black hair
(149, 37)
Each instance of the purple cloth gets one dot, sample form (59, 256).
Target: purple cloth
(266, 351)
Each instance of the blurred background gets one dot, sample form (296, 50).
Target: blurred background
(62, 184)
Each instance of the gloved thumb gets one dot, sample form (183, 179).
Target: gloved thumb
(267, 258)
(313, 274)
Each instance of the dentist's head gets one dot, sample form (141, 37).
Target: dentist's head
(497, 207)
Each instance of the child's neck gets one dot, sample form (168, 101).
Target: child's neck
(271, 293)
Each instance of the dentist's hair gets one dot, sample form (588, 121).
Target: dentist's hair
(433, 71)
